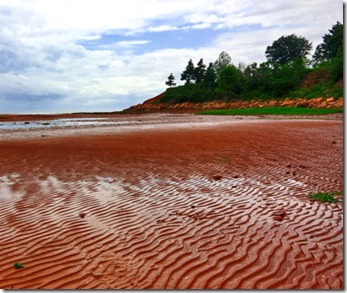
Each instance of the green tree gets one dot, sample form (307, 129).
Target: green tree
(189, 73)
(191, 92)
(229, 84)
(251, 76)
(251, 70)
(223, 60)
(287, 48)
(171, 80)
(210, 77)
(331, 46)
(200, 71)
(287, 77)
(335, 67)
(263, 75)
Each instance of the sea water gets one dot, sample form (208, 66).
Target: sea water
(64, 122)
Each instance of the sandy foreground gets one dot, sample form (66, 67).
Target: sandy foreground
(172, 202)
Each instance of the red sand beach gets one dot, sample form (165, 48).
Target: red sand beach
(196, 202)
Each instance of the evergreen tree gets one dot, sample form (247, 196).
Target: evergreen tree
(189, 73)
(170, 82)
(210, 77)
(200, 71)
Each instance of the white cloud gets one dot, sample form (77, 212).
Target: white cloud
(91, 37)
(41, 51)
(125, 44)
(161, 28)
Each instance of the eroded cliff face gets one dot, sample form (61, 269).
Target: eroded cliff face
(152, 105)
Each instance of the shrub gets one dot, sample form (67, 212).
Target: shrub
(189, 93)
(18, 265)
(324, 197)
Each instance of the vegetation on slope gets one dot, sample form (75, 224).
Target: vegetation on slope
(286, 73)
(272, 111)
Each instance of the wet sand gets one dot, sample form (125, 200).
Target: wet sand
(191, 203)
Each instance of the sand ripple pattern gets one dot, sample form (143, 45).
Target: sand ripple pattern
(224, 227)
(198, 233)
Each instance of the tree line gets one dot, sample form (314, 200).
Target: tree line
(281, 75)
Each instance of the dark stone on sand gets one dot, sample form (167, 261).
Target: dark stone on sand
(82, 215)
(217, 177)
(280, 213)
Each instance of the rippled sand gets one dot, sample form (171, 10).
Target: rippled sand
(181, 203)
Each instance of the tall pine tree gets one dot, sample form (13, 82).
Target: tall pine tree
(210, 77)
(170, 80)
(200, 71)
(189, 73)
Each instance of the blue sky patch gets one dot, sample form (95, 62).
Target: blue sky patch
(152, 41)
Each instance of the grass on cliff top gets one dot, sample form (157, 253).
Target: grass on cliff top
(271, 111)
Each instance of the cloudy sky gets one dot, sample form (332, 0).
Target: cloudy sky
(106, 55)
